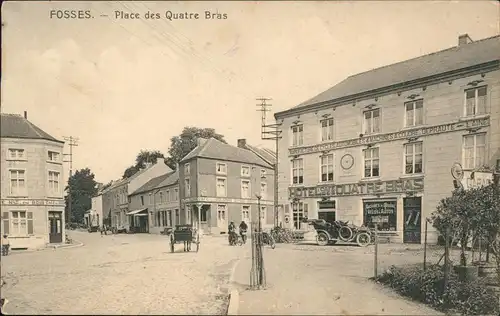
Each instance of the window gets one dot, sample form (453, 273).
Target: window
(245, 171)
(414, 113)
(262, 173)
(245, 213)
(299, 212)
(177, 217)
(17, 154)
(245, 189)
(187, 169)
(142, 199)
(263, 213)
(475, 101)
(187, 187)
(371, 160)
(158, 219)
(168, 219)
(53, 156)
(413, 158)
(326, 168)
(221, 168)
(176, 194)
(21, 223)
(263, 190)
(54, 182)
(221, 187)
(474, 151)
(297, 135)
(372, 121)
(203, 214)
(151, 198)
(298, 171)
(161, 197)
(221, 213)
(17, 182)
(327, 129)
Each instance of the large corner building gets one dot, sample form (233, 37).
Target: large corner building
(32, 184)
(377, 148)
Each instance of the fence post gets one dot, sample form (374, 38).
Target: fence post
(425, 246)
(446, 258)
(375, 261)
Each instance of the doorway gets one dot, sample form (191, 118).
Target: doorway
(221, 218)
(55, 227)
(412, 227)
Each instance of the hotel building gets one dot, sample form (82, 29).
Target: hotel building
(377, 148)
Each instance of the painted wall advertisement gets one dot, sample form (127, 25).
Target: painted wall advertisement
(383, 214)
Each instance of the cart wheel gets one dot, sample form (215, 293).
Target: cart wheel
(363, 239)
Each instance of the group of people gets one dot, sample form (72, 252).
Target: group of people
(233, 236)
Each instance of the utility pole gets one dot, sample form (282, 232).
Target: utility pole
(271, 132)
(72, 142)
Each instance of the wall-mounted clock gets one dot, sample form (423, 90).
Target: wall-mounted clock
(347, 161)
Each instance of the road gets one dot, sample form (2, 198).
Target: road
(120, 274)
(308, 279)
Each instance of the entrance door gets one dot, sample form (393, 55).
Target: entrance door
(328, 216)
(221, 218)
(412, 208)
(55, 229)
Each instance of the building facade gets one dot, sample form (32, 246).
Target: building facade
(116, 197)
(94, 216)
(377, 148)
(219, 184)
(32, 185)
(159, 198)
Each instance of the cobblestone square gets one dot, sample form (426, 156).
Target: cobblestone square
(120, 274)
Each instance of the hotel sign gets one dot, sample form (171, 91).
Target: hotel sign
(479, 179)
(360, 188)
(30, 202)
(415, 132)
(222, 200)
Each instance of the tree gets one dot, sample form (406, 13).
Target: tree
(83, 188)
(143, 157)
(182, 144)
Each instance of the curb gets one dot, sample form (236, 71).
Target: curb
(234, 295)
(75, 245)
(19, 252)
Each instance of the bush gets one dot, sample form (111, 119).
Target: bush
(427, 287)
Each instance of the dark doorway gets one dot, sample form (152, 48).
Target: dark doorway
(55, 227)
(328, 216)
(412, 227)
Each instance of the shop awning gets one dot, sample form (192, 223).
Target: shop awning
(142, 210)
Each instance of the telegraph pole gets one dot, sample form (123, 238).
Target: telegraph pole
(72, 142)
(271, 132)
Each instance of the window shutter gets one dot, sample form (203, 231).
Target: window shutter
(30, 223)
(5, 220)
(287, 209)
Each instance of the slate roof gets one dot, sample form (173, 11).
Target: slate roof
(215, 149)
(158, 182)
(458, 57)
(267, 154)
(16, 126)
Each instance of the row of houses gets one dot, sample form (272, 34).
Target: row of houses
(213, 185)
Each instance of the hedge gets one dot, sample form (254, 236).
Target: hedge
(427, 287)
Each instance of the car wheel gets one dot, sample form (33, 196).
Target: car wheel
(322, 239)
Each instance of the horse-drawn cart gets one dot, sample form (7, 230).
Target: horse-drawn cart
(187, 234)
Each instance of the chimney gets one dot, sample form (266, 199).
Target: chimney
(26, 114)
(242, 143)
(464, 39)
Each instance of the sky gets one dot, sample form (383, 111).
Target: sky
(123, 85)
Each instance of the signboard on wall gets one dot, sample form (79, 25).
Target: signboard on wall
(359, 188)
(30, 202)
(380, 213)
(476, 179)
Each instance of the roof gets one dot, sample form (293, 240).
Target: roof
(458, 57)
(16, 126)
(265, 153)
(214, 149)
(158, 182)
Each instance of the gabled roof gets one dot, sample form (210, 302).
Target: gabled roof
(455, 58)
(158, 182)
(214, 149)
(16, 126)
(265, 153)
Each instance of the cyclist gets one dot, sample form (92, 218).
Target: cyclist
(232, 233)
(243, 231)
